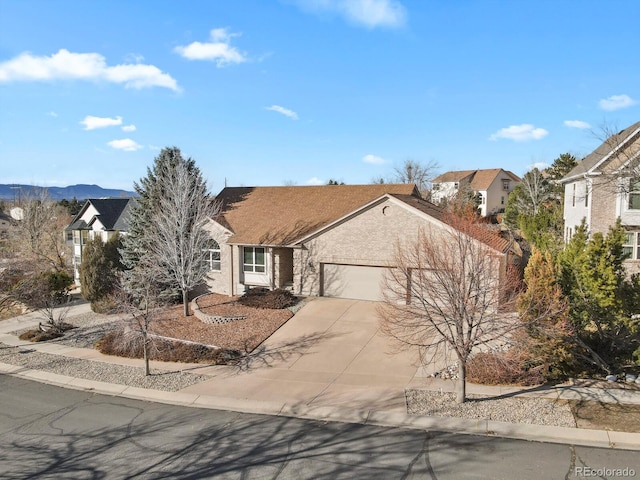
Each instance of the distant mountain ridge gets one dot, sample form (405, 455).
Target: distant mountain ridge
(15, 191)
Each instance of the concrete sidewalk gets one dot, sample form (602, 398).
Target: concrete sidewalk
(333, 371)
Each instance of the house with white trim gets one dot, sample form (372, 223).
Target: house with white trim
(330, 240)
(605, 186)
(98, 217)
(492, 186)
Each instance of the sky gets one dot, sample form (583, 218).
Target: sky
(274, 92)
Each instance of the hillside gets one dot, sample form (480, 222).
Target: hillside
(80, 192)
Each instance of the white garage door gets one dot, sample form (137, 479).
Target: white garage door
(353, 281)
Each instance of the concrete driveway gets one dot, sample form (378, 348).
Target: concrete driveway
(331, 353)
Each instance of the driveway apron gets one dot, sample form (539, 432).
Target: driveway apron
(331, 353)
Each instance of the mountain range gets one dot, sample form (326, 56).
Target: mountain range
(17, 192)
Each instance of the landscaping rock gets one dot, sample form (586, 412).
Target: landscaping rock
(611, 378)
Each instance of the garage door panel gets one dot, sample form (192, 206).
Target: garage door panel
(353, 281)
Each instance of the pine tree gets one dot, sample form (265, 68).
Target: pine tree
(99, 270)
(548, 337)
(167, 240)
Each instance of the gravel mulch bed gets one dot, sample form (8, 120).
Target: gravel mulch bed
(533, 411)
(169, 381)
(90, 327)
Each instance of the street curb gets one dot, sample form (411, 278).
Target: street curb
(538, 433)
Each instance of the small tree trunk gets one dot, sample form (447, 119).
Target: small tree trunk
(461, 384)
(145, 351)
(185, 302)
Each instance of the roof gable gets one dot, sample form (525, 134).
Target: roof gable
(592, 162)
(112, 214)
(477, 231)
(282, 215)
(478, 179)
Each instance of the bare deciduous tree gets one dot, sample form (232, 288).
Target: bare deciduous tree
(445, 295)
(179, 239)
(141, 306)
(420, 174)
(39, 232)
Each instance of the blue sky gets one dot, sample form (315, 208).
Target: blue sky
(263, 92)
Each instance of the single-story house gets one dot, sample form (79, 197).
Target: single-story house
(330, 240)
(98, 217)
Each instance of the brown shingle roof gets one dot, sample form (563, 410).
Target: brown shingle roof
(455, 176)
(479, 179)
(281, 215)
(478, 231)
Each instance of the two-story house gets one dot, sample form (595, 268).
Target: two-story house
(605, 186)
(102, 218)
(492, 186)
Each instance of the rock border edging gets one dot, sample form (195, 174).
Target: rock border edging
(212, 319)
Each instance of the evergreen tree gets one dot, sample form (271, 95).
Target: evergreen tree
(99, 270)
(602, 299)
(548, 334)
(167, 240)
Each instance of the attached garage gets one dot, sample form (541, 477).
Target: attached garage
(359, 282)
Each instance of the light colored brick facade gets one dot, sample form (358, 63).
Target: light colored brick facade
(367, 237)
(598, 191)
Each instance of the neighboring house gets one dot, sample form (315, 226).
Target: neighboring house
(102, 218)
(335, 240)
(493, 186)
(605, 186)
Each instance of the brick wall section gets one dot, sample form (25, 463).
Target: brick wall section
(603, 204)
(220, 282)
(366, 239)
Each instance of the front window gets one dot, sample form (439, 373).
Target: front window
(212, 255)
(631, 246)
(634, 194)
(76, 237)
(254, 260)
(505, 185)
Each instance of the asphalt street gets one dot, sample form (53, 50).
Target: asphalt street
(51, 432)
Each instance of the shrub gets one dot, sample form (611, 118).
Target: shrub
(129, 345)
(502, 368)
(268, 299)
(105, 304)
(37, 335)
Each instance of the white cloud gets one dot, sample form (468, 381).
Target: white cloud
(367, 13)
(576, 124)
(218, 50)
(66, 65)
(284, 111)
(538, 165)
(315, 181)
(125, 144)
(520, 133)
(129, 128)
(52, 114)
(91, 123)
(373, 159)
(616, 102)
